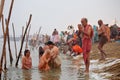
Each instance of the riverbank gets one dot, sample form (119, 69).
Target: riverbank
(110, 68)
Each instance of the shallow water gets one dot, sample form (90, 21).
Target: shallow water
(70, 69)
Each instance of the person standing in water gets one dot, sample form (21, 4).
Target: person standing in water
(26, 60)
(55, 61)
(87, 32)
(102, 32)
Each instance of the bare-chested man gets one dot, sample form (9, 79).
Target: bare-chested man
(102, 32)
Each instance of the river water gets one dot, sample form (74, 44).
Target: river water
(70, 69)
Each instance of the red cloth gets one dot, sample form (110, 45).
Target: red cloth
(86, 44)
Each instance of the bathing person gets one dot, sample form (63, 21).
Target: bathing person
(26, 60)
(44, 60)
(102, 32)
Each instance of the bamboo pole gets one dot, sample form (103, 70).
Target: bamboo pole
(10, 11)
(4, 47)
(14, 40)
(10, 53)
(27, 37)
(3, 51)
(3, 24)
(22, 33)
(1, 8)
(7, 24)
(38, 35)
(23, 40)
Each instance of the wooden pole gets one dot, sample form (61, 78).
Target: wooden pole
(22, 33)
(27, 37)
(23, 40)
(10, 11)
(7, 24)
(11, 58)
(1, 8)
(38, 35)
(4, 47)
(3, 24)
(14, 40)
(3, 51)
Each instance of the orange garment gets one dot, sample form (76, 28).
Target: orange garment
(77, 48)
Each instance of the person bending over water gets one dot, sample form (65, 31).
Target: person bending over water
(26, 60)
(55, 61)
(43, 63)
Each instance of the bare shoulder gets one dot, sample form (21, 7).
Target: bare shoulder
(90, 27)
(47, 51)
(23, 57)
(56, 47)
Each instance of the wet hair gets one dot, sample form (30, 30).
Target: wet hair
(26, 51)
(45, 43)
(50, 43)
(41, 51)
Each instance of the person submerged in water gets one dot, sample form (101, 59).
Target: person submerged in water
(44, 60)
(26, 60)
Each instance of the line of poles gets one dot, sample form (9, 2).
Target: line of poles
(5, 28)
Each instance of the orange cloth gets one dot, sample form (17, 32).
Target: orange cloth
(77, 48)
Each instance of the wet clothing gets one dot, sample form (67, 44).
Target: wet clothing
(103, 39)
(103, 34)
(87, 42)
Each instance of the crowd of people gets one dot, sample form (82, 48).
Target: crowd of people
(79, 42)
(48, 57)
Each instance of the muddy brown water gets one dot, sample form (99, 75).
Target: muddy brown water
(70, 69)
